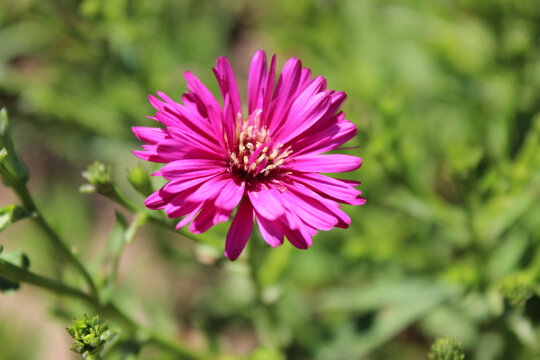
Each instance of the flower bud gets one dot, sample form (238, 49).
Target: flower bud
(99, 179)
(140, 180)
(90, 335)
(446, 349)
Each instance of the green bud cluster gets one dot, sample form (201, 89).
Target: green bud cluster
(517, 288)
(99, 179)
(446, 349)
(90, 335)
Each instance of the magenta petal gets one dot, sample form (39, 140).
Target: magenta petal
(326, 141)
(227, 83)
(310, 211)
(150, 135)
(208, 217)
(177, 186)
(240, 230)
(178, 167)
(202, 94)
(269, 87)
(229, 123)
(320, 208)
(329, 163)
(230, 195)
(283, 96)
(301, 119)
(271, 231)
(265, 203)
(199, 141)
(149, 156)
(189, 217)
(209, 189)
(257, 81)
(157, 200)
(327, 186)
(300, 238)
(197, 87)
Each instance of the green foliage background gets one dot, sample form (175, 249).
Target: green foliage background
(446, 97)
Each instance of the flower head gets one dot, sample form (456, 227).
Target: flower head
(267, 160)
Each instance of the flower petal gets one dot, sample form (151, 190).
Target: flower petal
(149, 135)
(284, 92)
(265, 202)
(230, 195)
(208, 217)
(227, 83)
(271, 231)
(301, 117)
(309, 210)
(257, 81)
(333, 188)
(189, 216)
(240, 230)
(301, 237)
(328, 163)
(210, 189)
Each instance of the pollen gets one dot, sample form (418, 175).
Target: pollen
(254, 153)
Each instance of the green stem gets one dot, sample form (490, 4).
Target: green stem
(58, 244)
(17, 274)
(263, 319)
(118, 197)
(61, 246)
(173, 346)
(255, 260)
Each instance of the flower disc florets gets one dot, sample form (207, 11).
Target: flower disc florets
(267, 162)
(255, 156)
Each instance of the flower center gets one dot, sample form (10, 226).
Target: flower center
(254, 153)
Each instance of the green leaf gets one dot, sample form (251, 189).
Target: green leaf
(266, 354)
(523, 329)
(396, 307)
(3, 154)
(502, 212)
(10, 214)
(507, 254)
(16, 258)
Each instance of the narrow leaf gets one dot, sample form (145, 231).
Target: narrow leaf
(10, 214)
(16, 258)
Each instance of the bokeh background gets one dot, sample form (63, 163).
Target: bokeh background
(446, 97)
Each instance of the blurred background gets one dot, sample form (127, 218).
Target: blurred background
(446, 97)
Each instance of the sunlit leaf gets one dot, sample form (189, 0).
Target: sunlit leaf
(10, 214)
(16, 258)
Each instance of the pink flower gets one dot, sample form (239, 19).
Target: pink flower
(268, 161)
